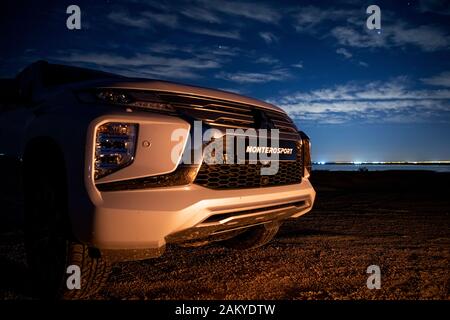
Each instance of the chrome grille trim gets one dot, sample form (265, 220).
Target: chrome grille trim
(228, 114)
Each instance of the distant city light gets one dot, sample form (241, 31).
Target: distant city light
(404, 162)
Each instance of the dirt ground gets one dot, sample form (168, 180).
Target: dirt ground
(399, 221)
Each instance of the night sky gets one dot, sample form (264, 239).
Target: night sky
(361, 95)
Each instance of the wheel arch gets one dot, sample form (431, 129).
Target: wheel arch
(44, 149)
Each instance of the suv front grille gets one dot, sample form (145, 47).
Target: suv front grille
(228, 114)
(248, 175)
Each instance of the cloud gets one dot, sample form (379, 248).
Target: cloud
(141, 65)
(363, 64)
(310, 18)
(442, 80)
(250, 10)
(233, 90)
(348, 55)
(213, 12)
(344, 52)
(349, 29)
(168, 20)
(125, 19)
(218, 11)
(392, 101)
(267, 60)
(200, 14)
(161, 47)
(434, 6)
(268, 37)
(230, 34)
(205, 52)
(138, 60)
(222, 50)
(144, 20)
(298, 65)
(427, 38)
(348, 36)
(255, 77)
(222, 54)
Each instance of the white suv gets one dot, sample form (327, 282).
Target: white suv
(102, 161)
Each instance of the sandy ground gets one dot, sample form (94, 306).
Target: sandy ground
(397, 220)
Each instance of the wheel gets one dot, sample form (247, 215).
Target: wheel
(49, 244)
(254, 237)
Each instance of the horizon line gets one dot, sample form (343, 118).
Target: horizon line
(383, 162)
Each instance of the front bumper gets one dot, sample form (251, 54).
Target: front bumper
(146, 219)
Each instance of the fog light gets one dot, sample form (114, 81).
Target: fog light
(114, 147)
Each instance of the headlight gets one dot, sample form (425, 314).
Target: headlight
(115, 144)
(306, 152)
(128, 98)
(113, 96)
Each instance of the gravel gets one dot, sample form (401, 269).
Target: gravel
(360, 219)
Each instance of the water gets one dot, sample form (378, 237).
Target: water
(381, 167)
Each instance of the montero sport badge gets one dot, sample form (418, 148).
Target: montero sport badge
(268, 150)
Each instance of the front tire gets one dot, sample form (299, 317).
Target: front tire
(49, 244)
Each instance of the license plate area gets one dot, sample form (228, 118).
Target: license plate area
(244, 149)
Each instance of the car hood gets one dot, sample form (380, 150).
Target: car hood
(159, 85)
